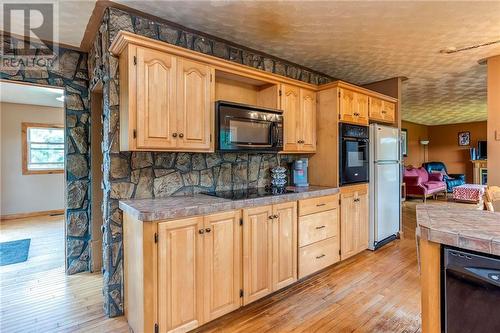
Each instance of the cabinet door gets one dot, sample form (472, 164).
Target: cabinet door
(348, 225)
(307, 121)
(375, 108)
(361, 109)
(347, 105)
(257, 253)
(222, 264)
(388, 111)
(180, 274)
(290, 103)
(284, 244)
(195, 96)
(363, 221)
(156, 115)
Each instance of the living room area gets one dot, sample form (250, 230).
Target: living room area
(446, 158)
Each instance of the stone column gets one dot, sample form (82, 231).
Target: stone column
(494, 120)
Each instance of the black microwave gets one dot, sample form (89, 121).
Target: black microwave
(241, 127)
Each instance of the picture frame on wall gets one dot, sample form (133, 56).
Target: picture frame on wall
(463, 138)
(404, 142)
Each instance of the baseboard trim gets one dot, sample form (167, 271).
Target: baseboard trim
(32, 214)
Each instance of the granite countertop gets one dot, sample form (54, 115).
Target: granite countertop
(470, 229)
(200, 204)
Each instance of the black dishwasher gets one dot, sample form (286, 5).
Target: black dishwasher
(471, 292)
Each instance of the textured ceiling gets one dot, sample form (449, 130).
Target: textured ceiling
(365, 41)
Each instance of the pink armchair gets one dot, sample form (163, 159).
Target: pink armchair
(419, 183)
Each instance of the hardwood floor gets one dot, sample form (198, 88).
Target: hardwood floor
(371, 292)
(36, 295)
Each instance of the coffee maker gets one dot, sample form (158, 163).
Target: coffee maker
(299, 172)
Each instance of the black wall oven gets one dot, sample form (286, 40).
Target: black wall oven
(241, 127)
(353, 154)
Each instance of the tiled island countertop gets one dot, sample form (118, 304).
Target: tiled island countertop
(470, 229)
(200, 204)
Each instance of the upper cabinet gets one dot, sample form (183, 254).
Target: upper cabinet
(381, 110)
(353, 107)
(299, 112)
(166, 102)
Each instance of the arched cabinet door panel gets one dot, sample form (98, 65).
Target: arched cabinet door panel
(195, 100)
(156, 116)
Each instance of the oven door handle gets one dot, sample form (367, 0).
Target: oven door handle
(256, 145)
(355, 139)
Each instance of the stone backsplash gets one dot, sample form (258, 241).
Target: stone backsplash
(157, 175)
(153, 175)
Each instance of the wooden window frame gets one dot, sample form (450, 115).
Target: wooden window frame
(24, 147)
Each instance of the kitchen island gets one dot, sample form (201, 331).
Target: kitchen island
(451, 225)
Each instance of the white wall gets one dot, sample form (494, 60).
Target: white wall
(26, 193)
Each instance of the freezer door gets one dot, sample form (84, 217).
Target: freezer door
(387, 200)
(386, 143)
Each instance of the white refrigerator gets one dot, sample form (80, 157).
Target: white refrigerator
(385, 196)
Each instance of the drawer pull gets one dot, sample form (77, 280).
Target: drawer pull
(320, 256)
(320, 227)
(321, 204)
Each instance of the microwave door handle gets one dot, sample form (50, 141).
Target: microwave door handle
(274, 134)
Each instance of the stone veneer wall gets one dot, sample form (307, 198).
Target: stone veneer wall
(153, 175)
(70, 73)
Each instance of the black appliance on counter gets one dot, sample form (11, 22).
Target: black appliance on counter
(241, 127)
(471, 295)
(353, 154)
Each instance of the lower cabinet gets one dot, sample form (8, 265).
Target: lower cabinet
(318, 234)
(354, 220)
(180, 274)
(199, 265)
(269, 249)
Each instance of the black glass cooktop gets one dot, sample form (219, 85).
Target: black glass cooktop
(249, 193)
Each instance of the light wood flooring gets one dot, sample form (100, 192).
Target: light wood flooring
(372, 292)
(36, 295)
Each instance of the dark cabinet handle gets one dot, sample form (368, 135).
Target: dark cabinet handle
(271, 217)
(320, 256)
(174, 135)
(276, 216)
(320, 227)
(356, 200)
(201, 231)
(384, 112)
(181, 135)
(321, 204)
(208, 230)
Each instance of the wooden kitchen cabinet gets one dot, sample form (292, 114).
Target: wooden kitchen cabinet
(269, 249)
(299, 111)
(155, 94)
(180, 274)
(354, 224)
(195, 98)
(222, 264)
(381, 110)
(284, 244)
(166, 102)
(353, 107)
(318, 234)
(199, 270)
(257, 253)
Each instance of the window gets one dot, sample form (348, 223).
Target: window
(43, 148)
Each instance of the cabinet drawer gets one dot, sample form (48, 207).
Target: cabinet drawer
(318, 226)
(320, 204)
(317, 256)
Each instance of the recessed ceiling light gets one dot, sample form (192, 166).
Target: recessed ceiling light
(60, 98)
